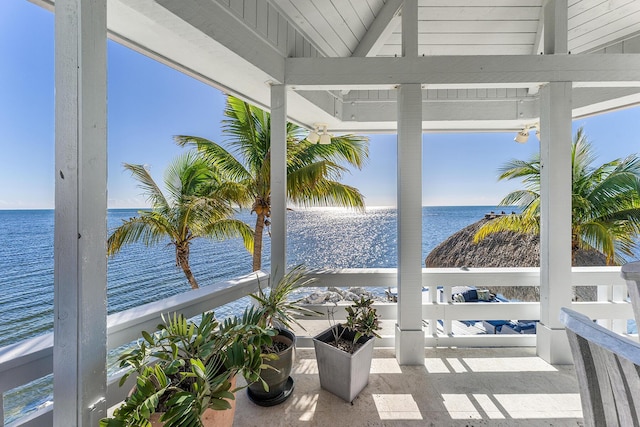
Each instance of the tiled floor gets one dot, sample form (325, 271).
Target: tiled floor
(454, 387)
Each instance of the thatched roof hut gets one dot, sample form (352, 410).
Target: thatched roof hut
(504, 249)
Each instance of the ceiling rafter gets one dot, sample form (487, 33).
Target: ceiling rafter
(380, 29)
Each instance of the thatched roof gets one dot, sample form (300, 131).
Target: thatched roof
(503, 249)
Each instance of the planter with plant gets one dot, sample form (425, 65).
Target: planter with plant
(344, 351)
(185, 371)
(278, 313)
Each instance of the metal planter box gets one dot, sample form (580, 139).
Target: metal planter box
(341, 373)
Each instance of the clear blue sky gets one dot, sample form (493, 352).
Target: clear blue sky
(148, 103)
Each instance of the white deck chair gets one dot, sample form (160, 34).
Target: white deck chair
(608, 370)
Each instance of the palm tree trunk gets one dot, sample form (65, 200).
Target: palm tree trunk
(182, 259)
(257, 242)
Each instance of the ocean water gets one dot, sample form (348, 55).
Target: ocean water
(327, 237)
(323, 237)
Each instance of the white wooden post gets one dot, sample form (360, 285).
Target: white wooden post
(409, 340)
(80, 272)
(278, 182)
(555, 194)
(555, 215)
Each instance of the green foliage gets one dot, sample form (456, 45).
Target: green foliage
(313, 170)
(605, 201)
(275, 308)
(186, 367)
(363, 319)
(197, 204)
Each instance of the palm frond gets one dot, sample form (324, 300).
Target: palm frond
(522, 198)
(149, 186)
(187, 176)
(517, 223)
(231, 228)
(528, 170)
(216, 155)
(148, 228)
(307, 177)
(329, 193)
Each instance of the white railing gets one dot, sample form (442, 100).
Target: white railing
(611, 307)
(31, 359)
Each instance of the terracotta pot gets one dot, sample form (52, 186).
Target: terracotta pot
(210, 418)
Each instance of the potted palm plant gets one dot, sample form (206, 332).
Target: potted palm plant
(186, 371)
(344, 351)
(278, 313)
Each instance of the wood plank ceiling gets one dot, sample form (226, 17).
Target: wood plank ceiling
(213, 40)
(462, 27)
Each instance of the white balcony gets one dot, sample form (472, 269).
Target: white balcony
(459, 381)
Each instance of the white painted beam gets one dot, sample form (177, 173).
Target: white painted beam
(80, 271)
(445, 110)
(278, 182)
(380, 29)
(215, 21)
(461, 71)
(458, 108)
(555, 219)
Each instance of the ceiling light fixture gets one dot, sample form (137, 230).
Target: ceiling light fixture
(323, 137)
(523, 135)
(313, 136)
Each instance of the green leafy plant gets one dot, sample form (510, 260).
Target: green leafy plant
(362, 320)
(276, 308)
(186, 367)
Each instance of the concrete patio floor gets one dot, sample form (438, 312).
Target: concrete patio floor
(454, 387)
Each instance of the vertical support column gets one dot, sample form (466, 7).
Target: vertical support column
(555, 218)
(555, 194)
(409, 339)
(278, 182)
(80, 272)
(409, 334)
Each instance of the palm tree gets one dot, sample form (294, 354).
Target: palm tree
(313, 170)
(605, 202)
(196, 205)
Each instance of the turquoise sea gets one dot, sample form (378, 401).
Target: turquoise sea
(323, 237)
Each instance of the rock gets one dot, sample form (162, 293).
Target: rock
(316, 297)
(333, 297)
(350, 296)
(339, 291)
